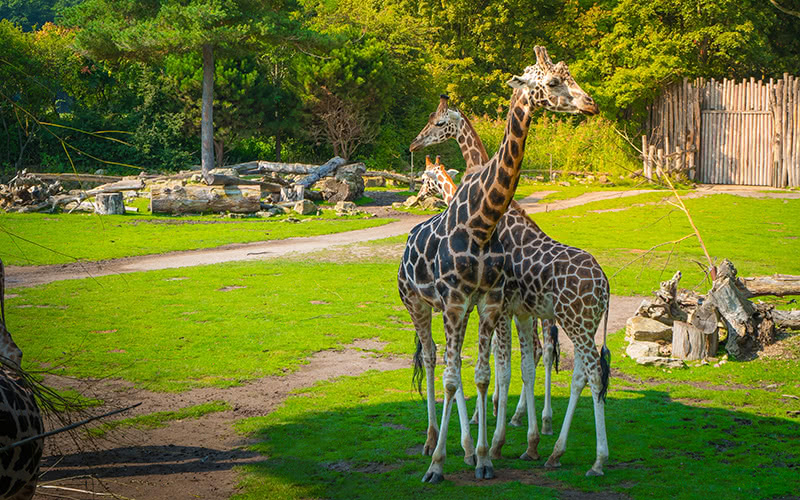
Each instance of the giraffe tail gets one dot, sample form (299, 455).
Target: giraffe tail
(605, 360)
(556, 347)
(419, 370)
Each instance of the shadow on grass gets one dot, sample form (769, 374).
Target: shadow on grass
(360, 438)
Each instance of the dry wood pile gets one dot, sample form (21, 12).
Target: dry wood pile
(185, 192)
(677, 325)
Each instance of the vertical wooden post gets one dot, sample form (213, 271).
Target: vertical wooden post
(207, 118)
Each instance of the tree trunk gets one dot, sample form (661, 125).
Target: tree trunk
(689, 342)
(787, 319)
(219, 149)
(194, 198)
(207, 120)
(777, 284)
(278, 146)
(109, 204)
(325, 170)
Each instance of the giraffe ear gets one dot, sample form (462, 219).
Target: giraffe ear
(452, 172)
(430, 174)
(516, 82)
(427, 160)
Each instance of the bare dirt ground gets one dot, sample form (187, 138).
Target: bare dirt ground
(194, 458)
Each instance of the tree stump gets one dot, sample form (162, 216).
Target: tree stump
(109, 204)
(690, 342)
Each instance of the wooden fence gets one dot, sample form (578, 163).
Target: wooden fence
(726, 132)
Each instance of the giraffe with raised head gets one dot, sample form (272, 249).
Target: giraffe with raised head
(455, 262)
(545, 279)
(19, 418)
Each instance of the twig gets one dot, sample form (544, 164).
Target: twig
(76, 490)
(674, 242)
(64, 429)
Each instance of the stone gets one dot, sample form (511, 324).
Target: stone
(640, 349)
(661, 362)
(432, 203)
(603, 179)
(99, 171)
(647, 329)
(305, 207)
(346, 208)
(374, 182)
(411, 201)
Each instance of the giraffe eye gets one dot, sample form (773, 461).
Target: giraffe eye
(440, 123)
(553, 82)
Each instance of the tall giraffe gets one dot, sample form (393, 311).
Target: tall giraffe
(19, 418)
(546, 279)
(438, 179)
(454, 262)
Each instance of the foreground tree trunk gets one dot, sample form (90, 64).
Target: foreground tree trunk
(196, 198)
(207, 120)
(109, 204)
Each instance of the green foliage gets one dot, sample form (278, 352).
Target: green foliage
(31, 13)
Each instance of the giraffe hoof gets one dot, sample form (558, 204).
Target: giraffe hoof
(515, 423)
(474, 421)
(470, 460)
(427, 450)
(552, 463)
(594, 473)
(484, 472)
(432, 478)
(525, 456)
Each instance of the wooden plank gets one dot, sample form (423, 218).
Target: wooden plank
(104, 179)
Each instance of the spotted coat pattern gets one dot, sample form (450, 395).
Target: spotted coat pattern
(454, 262)
(544, 278)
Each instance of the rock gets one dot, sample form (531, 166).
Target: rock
(347, 185)
(590, 178)
(397, 205)
(411, 201)
(655, 309)
(432, 203)
(374, 182)
(647, 329)
(305, 207)
(565, 183)
(224, 171)
(99, 171)
(603, 179)
(346, 208)
(661, 362)
(640, 349)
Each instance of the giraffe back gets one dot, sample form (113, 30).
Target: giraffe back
(19, 419)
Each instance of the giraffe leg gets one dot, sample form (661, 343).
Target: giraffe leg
(528, 340)
(596, 384)
(463, 420)
(522, 405)
(576, 387)
(455, 323)
(502, 378)
(421, 317)
(489, 314)
(496, 393)
(474, 419)
(548, 355)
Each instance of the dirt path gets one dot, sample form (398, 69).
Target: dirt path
(20, 276)
(192, 458)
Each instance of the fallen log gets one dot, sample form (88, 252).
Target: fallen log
(787, 319)
(777, 284)
(263, 167)
(118, 187)
(103, 179)
(325, 170)
(198, 198)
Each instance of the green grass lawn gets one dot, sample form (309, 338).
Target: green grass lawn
(34, 239)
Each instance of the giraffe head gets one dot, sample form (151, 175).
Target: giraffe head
(443, 124)
(9, 352)
(438, 179)
(552, 86)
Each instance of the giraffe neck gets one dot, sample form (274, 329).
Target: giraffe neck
(471, 145)
(490, 190)
(446, 186)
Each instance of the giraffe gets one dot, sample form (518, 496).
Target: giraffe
(438, 179)
(546, 279)
(454, 262)
(19, 418)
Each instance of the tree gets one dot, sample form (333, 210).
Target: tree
(149, 30)
(30, 13)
